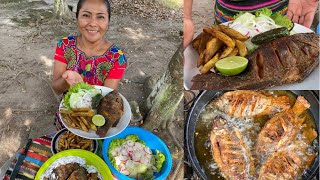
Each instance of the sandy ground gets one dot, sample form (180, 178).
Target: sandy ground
(28, 40)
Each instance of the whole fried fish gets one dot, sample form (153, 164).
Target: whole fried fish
(283, 61)
(245, 103)
(289, 162)
(111, 108)
(281, 128)
(230, 152)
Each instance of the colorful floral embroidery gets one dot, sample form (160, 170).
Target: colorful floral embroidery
(71, 58)
(65, 41)
(93, 70)
(117, 54)
(102, 70)
(59, 43)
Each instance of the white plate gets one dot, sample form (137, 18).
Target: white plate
(123, 122)
(190, 68)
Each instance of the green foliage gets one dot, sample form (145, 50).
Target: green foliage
(264, 11)
(282, 20)
(160, 158)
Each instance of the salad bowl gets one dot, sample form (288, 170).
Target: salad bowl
(151, 140)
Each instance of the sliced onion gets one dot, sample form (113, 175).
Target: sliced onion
(147, 150)
(129, 149)
(114, 153)
(125, 172)
(135, 157)
(124, 152)
(123, 158)
(130, 143)
(145, 160)
(138, 145)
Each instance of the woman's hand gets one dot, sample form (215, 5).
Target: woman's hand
(302, 11)
(72, 77)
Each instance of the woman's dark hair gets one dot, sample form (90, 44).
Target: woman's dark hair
(80, 2)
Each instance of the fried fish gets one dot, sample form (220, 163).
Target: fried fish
(285, 60)
(289, 162)
(246, 103)
(230, 152)
(281, 128)
(111, 108)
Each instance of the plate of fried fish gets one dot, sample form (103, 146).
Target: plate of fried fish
(94, 112)
(248, 134)
(74, 164)
(289, 61)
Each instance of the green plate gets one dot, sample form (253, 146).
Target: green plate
(91, 159)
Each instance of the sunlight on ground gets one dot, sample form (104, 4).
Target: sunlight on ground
(27, 122)
(6, 22)
(8, 113)
(135, 34)
(175, 4)
(48, 63)
(141, 72)
(9, 143)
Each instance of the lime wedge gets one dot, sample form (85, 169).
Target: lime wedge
(232, 65)
(98, 120)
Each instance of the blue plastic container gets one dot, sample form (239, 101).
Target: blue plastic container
(318, 29)
(151, 140)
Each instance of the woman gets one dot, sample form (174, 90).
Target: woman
(88, 57)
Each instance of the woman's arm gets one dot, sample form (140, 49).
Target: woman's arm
(63, 78)
(59, 84)
(188, 26)
(112, 83)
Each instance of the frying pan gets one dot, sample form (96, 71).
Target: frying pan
(206, 96)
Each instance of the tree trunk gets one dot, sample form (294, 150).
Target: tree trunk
(166, 95)
(163, 103)
(61, 10)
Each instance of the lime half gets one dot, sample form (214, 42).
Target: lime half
(98, 120)
(232, 65)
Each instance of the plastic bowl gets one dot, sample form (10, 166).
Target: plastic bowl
(91, 159)
(151, 140)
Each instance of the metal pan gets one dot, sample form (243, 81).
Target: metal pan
(206, 96)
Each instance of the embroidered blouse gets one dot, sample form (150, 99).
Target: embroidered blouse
(226, 9)
(94, 70)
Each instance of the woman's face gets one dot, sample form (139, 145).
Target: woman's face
(93, 20)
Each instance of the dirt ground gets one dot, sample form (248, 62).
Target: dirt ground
(148, 33)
